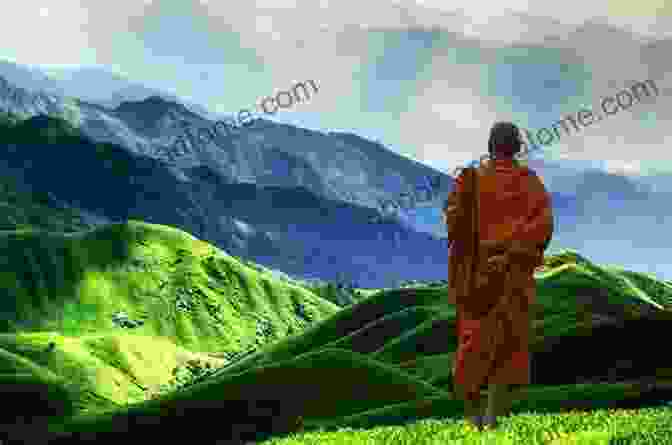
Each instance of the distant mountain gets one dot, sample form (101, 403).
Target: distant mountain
(336, 170)
(97, 85)
(90, 84)
(291, 229)
(29, 78)
(336, 166)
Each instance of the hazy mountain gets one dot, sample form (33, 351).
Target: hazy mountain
(29, 78)
(340, 166)
(267, 161)
(100, 86)
(90, 84)
(287, 228)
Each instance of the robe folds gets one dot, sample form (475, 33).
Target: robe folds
(500, 221)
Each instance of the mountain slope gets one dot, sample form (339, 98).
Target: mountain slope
(23, 209)
(96, 85)
(574, 296)
(266, 153)
(30, 78)
(188, 298)
(593, 210)
(333, 375)
(286, 228)
(90, 84)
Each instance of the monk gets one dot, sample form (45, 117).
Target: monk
(500, 221)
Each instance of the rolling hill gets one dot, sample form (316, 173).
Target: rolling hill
(61, 293)
(381, 361)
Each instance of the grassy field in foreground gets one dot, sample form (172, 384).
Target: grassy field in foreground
(379, 366)
(599, 427)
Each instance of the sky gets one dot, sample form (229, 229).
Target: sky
(425, 79)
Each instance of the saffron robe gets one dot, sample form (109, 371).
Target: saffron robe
(500, 221)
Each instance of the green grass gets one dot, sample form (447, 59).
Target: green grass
(65, 288)
(373, 372)
(599, 427)
(430, 367)
(350, 379)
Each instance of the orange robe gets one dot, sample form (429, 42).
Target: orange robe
(513, 222)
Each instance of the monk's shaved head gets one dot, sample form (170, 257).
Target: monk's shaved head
(504, 140)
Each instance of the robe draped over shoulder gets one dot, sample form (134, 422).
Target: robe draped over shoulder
(500, 221)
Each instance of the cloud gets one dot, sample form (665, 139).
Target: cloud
(440, 113)
(634, 137)
(625, 168)
(41, 34)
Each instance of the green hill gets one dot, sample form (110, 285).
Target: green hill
(188, 299)
(386, 360)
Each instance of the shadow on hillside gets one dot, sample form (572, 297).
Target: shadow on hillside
(619, 351)
(296, 388)
(50, 265)
(304, 380)
(206, 422)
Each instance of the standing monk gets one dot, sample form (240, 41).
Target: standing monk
(500, 221)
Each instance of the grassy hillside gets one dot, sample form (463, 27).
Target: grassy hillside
(384, 362)
(61, 292)
(21, 208)
(572, 297)
(24, 209)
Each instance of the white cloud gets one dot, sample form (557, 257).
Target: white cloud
(60, 30)
(303, 19)
(330, 41)
(622, 167)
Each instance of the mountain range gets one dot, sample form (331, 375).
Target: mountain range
(313, 230)
(297, 200)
